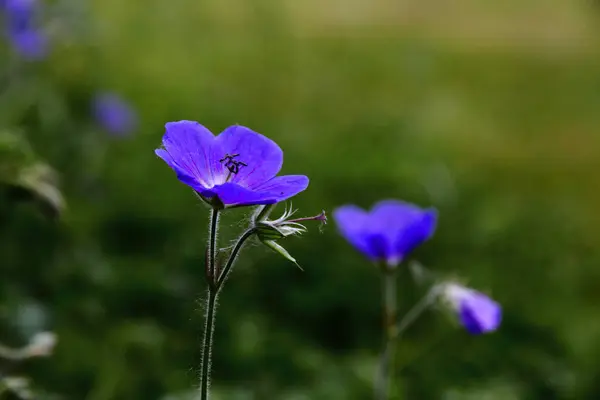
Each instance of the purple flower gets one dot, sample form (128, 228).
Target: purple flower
(25, 35)
(476, 311)
(389, 232)
(236, 168)
(21, 13)
(114, 114)
(31, 44)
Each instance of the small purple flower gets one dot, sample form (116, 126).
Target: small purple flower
(236, 168)
(114, 114)
(389, 232)
(22, 29)
(476, 311)
(31, 44)
(21, 13)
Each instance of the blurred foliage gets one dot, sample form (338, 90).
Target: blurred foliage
(31, 178)
(495, 128)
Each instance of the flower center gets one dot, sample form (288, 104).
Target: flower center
(232, 164)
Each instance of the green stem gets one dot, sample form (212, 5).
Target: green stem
(382, 383)
(418, 309)
(212, 246)
(236, 249)
(214, 288)
(211, 302)
(209, 327)
(394, 330)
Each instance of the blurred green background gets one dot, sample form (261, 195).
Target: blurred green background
(488, 111)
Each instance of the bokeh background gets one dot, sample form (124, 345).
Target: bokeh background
(488, 111)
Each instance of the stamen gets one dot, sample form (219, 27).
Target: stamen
(232, 165)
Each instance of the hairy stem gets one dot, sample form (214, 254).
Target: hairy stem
(209, 327)
(216, 280)
(236, 249)
(382, 382)
(211, 304)
(212, 247)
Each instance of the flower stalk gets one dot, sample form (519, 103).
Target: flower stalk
(211, 304)
(232, 257)
(216, 280)
(267, 231)
(394, 329)
(416, 311)
(209, 327)
(212, 246)
(385, 371)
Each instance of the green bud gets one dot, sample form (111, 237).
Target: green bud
(268, 231)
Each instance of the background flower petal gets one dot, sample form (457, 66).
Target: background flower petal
(263, 156)
(419, 231)
(402, 225)
(352, 222)
(194, 150)
(32, 44)
(379, 246)
(479, 314)
(114, 114)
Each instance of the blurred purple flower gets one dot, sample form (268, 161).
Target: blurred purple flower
(476, 311)
(22, 30)
(389, 232)
(236, 168)
(114, 114)
(31, 44)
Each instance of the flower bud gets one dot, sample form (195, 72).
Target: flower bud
(476, 312)
(268, 231)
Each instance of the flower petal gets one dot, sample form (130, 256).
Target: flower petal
(378, 245)
(479, 314)
(193, 149)
(32, 44)
(234, 195)
(352, 222)
(263, 156)
(284, 187)
(114, 114)
(415, 234)
(402, 227)
(182, 175)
